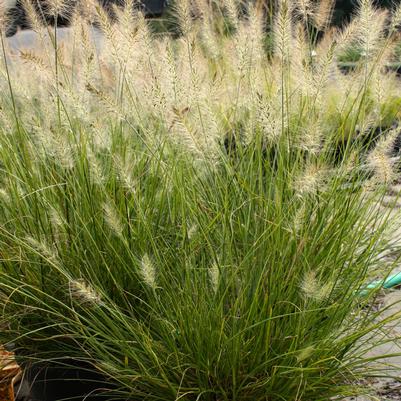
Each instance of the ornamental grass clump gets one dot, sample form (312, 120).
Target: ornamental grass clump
(194, 217)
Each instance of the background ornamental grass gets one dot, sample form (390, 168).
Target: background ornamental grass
(194, 217)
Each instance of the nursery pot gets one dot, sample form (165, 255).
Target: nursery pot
(72, 380)
(10, 373)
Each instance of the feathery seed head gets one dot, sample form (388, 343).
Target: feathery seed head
(57, 7)
(304, 8)
(183, 10)
(248, 42)
(83, 293)
(214, 276)
(100, 137)
(112, 219)
(192, 231)
(148, 271)
(309, 284)
(370, 27)
(382, 166)
(379, 159)
(312, 137)
(323, 14)
(345, 38)
(56, 145)
(4, 17)
(231, 9)
(124, 169)
(65, 152)
(57, 223)
(269, 120)
(95, 167)
(310, 180)
(283, 31)
(6, 122)
(313, 289)
(143, 37)
(185, 135)
(209, 39)
(299, 219)
(256, 34)
(102, 18)
(4, 197)
(395, 19)
(46, 251)
(87, 9)
(305, 353)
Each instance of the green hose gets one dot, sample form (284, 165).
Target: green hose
(390, 282)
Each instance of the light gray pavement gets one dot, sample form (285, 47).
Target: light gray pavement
(29, 40)
(389, 389)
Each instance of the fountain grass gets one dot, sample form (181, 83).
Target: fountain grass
(177, 211)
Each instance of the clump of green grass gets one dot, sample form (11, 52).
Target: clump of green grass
(172, 212)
